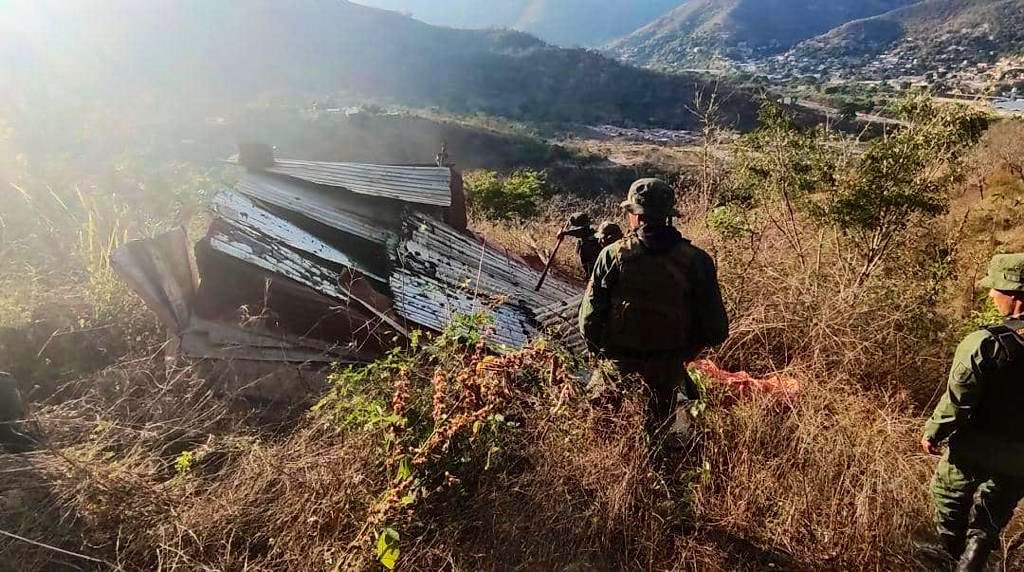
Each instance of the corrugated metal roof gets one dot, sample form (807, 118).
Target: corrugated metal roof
(561, 322)
(163, 273)
(422, 185)
(431, 304)
(241, 212)
(462, 261)
(249, 246)
(318, 206)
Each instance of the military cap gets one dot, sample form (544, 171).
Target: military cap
(1006, 272)
(609, 230)
(651, 197)
(579, 221)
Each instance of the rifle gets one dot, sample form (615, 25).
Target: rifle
(551, 259)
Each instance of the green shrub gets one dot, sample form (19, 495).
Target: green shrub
(872, 198)
(516, 196)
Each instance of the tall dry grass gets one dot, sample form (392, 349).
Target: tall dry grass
(146, 471)
(63, 312)
(512, 467)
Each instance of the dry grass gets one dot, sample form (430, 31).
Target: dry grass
(828, 480)
(511, 466)
(831, 481)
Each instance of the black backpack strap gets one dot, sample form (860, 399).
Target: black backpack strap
(1010, 336)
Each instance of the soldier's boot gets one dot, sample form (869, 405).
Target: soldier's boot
(975, 555)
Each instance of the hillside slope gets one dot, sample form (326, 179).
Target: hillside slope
(697, 30)
(175, 50)
(562, 22)
(929, 28)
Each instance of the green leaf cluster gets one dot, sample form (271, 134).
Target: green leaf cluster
(871, 193)
(516, 196)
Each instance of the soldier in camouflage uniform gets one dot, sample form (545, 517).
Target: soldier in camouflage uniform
(608, 233)
(653, 302)
(587, 246)
(980, 479)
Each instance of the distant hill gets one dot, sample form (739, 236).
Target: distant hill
(698, 30)
(929, 28)
(562, 22)
(171, 51)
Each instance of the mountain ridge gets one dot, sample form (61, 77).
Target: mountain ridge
(313, 48)
(987, 24)
(699, 30)
(562, 22)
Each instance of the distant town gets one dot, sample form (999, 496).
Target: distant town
(955, 71)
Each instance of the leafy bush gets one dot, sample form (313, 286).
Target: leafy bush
(792, 178)
(778, 168)
(514, 197)
(903, 178)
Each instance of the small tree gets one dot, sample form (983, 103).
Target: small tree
(712, 174)
(778, 167)
(791, 178)
(903, 177)
(515, 197)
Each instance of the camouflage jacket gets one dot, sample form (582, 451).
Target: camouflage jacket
(653, 292)
(980, 412)
(588, 249)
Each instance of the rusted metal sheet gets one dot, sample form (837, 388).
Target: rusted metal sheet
(317, 204)
(434, 249)
(234, 291)
(275, 257)
(350, 254)
(432, 304)
(213, 340)
(163, 273)
(242, 212)
(420, 185)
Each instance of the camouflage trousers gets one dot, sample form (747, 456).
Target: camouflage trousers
(971, 504)
(664, 379)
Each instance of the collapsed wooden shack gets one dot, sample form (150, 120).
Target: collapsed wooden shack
(311, 263)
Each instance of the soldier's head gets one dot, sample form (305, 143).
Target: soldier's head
(579, 222)
(609, 233)
(1005, 282)
(650, 202)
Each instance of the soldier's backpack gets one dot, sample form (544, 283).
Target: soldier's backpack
(652, 301)
(1010, 336)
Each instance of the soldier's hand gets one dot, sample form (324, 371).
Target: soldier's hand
(930, 448)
